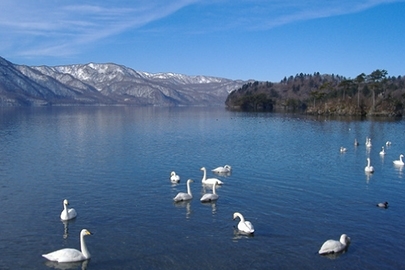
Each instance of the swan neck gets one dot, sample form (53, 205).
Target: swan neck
(242, 219)
(188, 188)
(204, 174)
(213, 188)
(83, 247)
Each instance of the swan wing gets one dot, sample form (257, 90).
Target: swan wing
(331, 246)
(209, 197)
(246, 227)
(211, 181)
(65, 255)
(182, 197)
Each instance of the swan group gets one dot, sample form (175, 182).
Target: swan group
(182, 196)
(369, 168)
(209, 181)
(67, 213)
(71, 254)
(334, 246)
(244, 226)
(175, 178)
(399, 161)
(209, 197)
(225, 169)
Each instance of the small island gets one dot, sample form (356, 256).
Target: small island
(376, 94)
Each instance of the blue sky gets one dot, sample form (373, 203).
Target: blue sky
(264, 40)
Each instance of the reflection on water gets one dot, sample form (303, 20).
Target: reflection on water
(65, 266)
(186, 205)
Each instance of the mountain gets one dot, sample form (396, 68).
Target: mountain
(107, 84)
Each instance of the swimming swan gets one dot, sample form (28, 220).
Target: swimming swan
(382, 152)
(244, 225)
(225, 169)
(67, 213)
(356, 143)
(209, 197)
(343, 149)
(334, 246)
(175, 178)
(181, 196)
(209, 181)
(399, 162)
(71, 254)
(369, 168)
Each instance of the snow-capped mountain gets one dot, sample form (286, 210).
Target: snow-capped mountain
(109, 84)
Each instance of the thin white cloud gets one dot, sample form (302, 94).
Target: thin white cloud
(60, 28)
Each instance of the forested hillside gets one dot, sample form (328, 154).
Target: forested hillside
(372, 94)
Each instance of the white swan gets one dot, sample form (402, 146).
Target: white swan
(175, 178)
(382, 204)
(343, 149)
(67, 213)
(71, 254)
(388, 143)
(369, 168)
(399, 161)
(244, 225)
(209, 197)
(356, 143)
(382, 152)
(209, 181)
(182, 196)
(225, 169)
(334, 246)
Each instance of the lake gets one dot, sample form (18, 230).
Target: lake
(113, 164)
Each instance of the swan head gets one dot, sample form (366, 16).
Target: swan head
(344, 239)
(236, 214)
(190, 181)
(85, 232)
(202, 169)
(172, 173)
(65, 202)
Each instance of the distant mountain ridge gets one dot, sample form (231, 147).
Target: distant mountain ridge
(107, 84)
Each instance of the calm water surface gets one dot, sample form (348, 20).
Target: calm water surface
(113, 164)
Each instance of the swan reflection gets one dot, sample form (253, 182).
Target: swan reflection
(368, 176)
(213, 206)
(237, 234)
(72, 265)
(184, 204)
(66, 227)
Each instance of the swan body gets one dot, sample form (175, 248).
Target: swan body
(388, 143)
(382, 152)
(244, 225)
(182, 196)
(209, 181)
(369, 168)
(67, 213)
(225, 169)
(175, 178)
(383, 205)
(343, 149)
(334, 246)
(399, 161)
(209, 197)
(71, 254)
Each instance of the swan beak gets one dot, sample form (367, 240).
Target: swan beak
(89, 232)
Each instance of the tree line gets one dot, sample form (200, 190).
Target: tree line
(367, 94)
